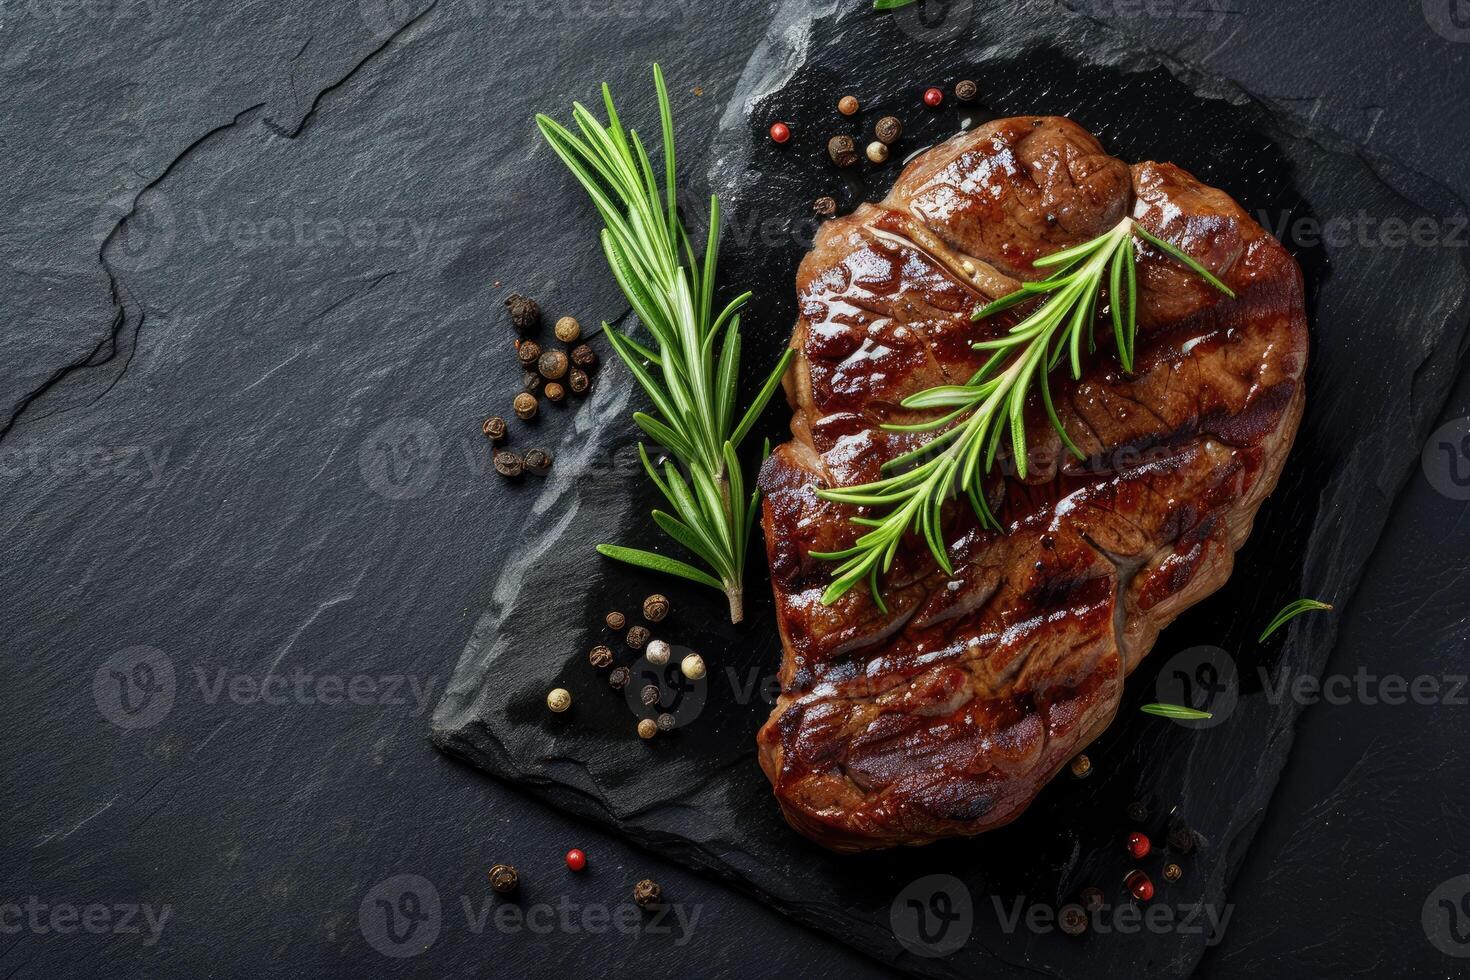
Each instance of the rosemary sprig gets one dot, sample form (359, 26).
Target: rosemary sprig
(692, 384)
(1289, 612)
(1176, 711)
(991, 405)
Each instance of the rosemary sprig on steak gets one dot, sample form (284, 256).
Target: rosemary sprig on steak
(991, 405)
(691, 378)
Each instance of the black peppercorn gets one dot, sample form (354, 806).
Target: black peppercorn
(619, 678)
(554, 392)
(528, 352)
(665, 722)
(1172, 872)
(655, 608)
(600, 657)
(888, 129)
(504, 878)
(1081, 766)
(649, 695)
(525, 406)
(1092, 898)
(825, 206)
(509, 464)
(531, 381)
(538, 461)
(647, 893)
(525, 314)
(966, 90)
(578, 381)
(1072, 919)
(584, 356)
(1181, 838)
(552, 364)
(1137, 812)
(637, 636)
(615, 620)
(842, 150)
(494, 428)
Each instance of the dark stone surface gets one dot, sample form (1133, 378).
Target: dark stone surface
(242, 477)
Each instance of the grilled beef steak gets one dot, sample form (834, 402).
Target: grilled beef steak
(947, 714)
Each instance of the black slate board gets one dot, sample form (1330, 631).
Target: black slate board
(1388, 321)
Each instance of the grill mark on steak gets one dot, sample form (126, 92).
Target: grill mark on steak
(946, 715)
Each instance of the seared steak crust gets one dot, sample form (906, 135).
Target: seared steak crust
(947, 714)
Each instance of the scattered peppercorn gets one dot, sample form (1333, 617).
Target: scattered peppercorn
(619, 678)
(1137, 812)
(933, 97)
(525, 313)
(509, 464)
(665, 722)
(615, 620)
(647, 893)
(1138, 845)
(647, 728)
(1073, 919)
(600, 657)
(578, 381)
(1092, 898)
(1181, 838)
(528, 352)
(888, 129)
(1139, 885)
(658, 653)
(637, 636)
(554, 392)
(848, 105)
(532, 382)
(780, 132)
(576, 860)
(655, 608)
(1081, 766)
(559, 700)
(826, 206)
(494, 428)
(538, 461)
(692, 666)
(649, 695)
(584, 356)
(966, 90)
(504, 878)
(568, 329)
(842, 150)
(552, 364)
(1172, 872)
(877, 152)
(525, 406)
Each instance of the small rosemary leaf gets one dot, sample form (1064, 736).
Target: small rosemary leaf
(642, 351)
(729, 375)
(689, 538)
(1176, 711)
(1289, 612)
(661, 434)
(658, 563)
(762, 397)
(891, 4)
(1184, 257)
(1068, 257)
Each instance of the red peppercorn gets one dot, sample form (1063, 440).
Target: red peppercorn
(933, 98)
(1139, 845)
(780, 132)
(1139, 885)
(576, 860)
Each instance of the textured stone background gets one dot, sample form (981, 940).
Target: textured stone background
(241, 432)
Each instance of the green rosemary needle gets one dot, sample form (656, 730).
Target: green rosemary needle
(1289, 612)
(1176, 711)
(691, 378)
(991, 405)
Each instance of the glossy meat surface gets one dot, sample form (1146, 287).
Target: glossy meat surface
(947, 714)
